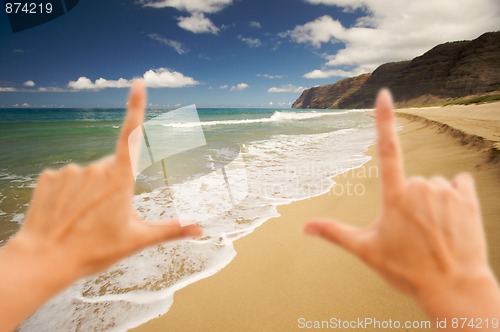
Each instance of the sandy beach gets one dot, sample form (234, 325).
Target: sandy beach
(280, 275)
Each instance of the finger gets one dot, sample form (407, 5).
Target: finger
(44, 190)
(134, 119)
(346, 236)
(70, 178)
(45, 184)
(148, 234)
(465, 184)
(439, 182)
(390, 159)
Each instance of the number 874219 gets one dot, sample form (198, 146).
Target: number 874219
(28, 8)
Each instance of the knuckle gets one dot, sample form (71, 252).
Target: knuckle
(48, 175)
(417, 184)
(72, 169)
(438, 180)
(387, 148)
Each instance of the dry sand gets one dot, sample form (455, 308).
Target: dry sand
(280, 275)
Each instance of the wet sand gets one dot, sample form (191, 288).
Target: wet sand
(280, 275)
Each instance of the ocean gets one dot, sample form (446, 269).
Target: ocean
(285, 154)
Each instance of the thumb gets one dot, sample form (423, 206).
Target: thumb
(346, 236)
(148, 233)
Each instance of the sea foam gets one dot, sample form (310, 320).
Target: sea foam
(279, 170)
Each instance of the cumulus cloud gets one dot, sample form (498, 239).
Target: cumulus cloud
(158, 78)
(318, 73)
(224, 87)
(177, 46)
(252, 42)
(29, 84)
(289, 88)
(271, 77)
(239, 87)
(197, 23)
(255, 24)
(190, 6)
(322, 30)
(392, 30)
(84, 83)
(164, 78)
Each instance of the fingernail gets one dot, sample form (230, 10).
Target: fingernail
(384, 97)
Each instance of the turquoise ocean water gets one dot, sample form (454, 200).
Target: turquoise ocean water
(288, 155)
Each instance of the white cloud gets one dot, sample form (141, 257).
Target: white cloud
(255, 24)
(224, 87)
(177, 46)
(164, 78)
(53, 89)
(393, 30)
(22, 105)
(197, 23)
(239, 87)
(190, 6)
(29, 84)
(7, 89)
(318, 73)
(289, 88)
(317, 32)
(271, 77)
(158, 78)
(252, 42)
(84, 83)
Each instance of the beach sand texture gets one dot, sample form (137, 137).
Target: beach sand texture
(281, 275)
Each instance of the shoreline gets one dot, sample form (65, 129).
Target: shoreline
(289, 275)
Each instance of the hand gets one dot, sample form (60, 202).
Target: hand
(428, 240)
(85, 213)
(80, 222)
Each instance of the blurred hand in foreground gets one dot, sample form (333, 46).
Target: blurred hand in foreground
(428, 240)
(80, 221)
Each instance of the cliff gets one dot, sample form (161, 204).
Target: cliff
(330, 96)
(446, 72)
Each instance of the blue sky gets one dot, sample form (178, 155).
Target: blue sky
(219, 53)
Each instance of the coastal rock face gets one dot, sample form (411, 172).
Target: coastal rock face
(450, 70)
(383, 76)
(330, 96)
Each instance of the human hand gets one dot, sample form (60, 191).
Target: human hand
(83, 217)
(428, 240)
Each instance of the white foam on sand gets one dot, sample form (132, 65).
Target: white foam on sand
(277, 116)
(279, 170)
